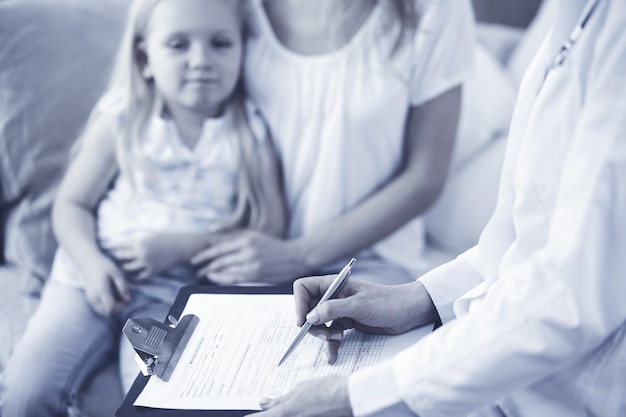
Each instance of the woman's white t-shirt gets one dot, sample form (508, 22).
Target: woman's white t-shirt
(338, 118)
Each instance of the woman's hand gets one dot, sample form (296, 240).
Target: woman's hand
(373, 308)
(105, 286)
(148, 255)
(248, 256)
(324, 397)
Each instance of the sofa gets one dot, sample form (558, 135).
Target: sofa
(55, 58)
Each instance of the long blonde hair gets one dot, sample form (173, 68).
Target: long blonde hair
(407, 14)
(140, 98)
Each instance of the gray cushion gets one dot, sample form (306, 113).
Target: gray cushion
(55, 59)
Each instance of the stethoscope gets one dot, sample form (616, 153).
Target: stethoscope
(569, 43)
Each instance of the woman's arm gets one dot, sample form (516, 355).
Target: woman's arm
(85, 182)
(429, 140)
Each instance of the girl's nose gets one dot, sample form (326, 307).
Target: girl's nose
(200, 56)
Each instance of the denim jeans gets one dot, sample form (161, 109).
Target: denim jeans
(64, 343)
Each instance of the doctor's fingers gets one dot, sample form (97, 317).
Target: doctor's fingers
(270, 408)
(322, 397)
(345, 310)
(332, 351)
(307, 292)
(332, 335)
(284, 406)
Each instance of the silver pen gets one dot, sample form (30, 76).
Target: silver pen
(338, 282)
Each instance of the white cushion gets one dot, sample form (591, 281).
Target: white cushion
(486, 108)
(458, 217)
(456, 220)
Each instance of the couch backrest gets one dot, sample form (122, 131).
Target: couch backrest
(517, 13)
(55, 58)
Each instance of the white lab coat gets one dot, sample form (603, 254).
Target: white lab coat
(535, 314)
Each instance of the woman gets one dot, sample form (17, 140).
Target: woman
(362, 99)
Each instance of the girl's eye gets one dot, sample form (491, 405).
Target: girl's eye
(221, 43)
(177, 44)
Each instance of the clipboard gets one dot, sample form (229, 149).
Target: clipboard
(128, 409)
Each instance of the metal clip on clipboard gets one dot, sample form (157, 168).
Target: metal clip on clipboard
(159, 345)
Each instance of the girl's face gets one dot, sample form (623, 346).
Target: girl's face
(194, 53)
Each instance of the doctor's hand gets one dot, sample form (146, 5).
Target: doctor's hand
(324, 397)
(249, 256)
(368, 307)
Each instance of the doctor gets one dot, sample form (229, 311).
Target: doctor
(534, 316)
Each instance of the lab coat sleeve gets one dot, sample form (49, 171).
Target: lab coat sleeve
(444, 284)
(567, 298)
(450, 281)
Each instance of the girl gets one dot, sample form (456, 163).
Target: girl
(170, 155)
(362, 98)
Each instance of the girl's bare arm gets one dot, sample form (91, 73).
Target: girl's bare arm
(84, 184)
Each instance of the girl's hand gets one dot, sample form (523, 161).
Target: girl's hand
(105, 287)
(147, 255)
(249, 255)
(315, 398)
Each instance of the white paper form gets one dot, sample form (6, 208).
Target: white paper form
(230, 360)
